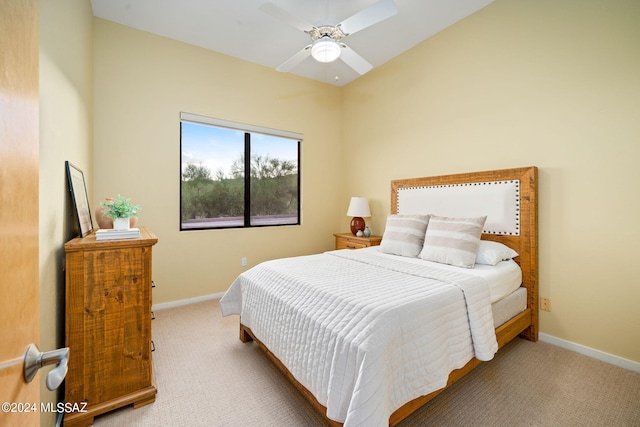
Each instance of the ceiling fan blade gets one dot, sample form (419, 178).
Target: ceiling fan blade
(284, 16)
(367, 17)
(295, 59)
(355, 61)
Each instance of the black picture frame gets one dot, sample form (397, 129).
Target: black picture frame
(78, 190)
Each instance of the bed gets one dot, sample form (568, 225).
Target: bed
(370, 335)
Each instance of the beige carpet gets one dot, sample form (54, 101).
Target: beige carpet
(207, 377)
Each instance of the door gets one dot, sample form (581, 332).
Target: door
(19, 315)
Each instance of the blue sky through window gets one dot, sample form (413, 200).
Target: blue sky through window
(216, 148)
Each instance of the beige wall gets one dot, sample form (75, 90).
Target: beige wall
(142, 83)
(554, 84)
(66, 115)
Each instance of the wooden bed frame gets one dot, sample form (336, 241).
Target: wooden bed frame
(525, 243)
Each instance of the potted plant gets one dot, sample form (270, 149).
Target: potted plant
(120, 210)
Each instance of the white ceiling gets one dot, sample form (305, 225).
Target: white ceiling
(240, 29)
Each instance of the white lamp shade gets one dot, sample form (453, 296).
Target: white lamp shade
(325, 49)
(359, 207)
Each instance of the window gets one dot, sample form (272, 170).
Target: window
(235, 175)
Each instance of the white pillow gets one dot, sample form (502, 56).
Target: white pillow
(404, 235)
(453, 241)
(491, 253)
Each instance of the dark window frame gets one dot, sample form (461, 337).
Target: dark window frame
(248, 131)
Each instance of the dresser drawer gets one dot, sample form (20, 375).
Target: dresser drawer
(349, 241)
(349, 244)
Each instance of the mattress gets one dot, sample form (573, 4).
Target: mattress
(508, 298)
(509, 306)
(502, 279)
(365, 333)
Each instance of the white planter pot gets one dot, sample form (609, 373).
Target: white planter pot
(121, 224)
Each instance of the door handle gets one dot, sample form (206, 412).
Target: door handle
(34, 359)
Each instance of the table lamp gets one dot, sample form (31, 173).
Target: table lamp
(358, 208)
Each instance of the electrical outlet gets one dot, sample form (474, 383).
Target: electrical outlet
(243, 261)
(545, 304)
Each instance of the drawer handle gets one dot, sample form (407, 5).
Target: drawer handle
(350, 247)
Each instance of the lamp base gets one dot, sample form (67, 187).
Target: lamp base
(357, 224)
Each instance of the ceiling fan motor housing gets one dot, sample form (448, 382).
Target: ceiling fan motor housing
(334, 32)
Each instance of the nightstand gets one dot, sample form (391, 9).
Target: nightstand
(349, 241)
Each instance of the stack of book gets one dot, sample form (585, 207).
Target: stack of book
(109, 234)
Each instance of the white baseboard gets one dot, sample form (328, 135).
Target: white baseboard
(179, 303)
(587, 351)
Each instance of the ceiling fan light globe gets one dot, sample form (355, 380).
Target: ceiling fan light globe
(325, 49)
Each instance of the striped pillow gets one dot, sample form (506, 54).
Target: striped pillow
(453, 241)
(404, 235)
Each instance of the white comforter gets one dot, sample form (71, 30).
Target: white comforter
(365, 334)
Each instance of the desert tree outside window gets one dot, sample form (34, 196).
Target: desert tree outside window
(234, 175)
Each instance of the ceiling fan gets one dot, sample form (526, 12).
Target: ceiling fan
(326, 40)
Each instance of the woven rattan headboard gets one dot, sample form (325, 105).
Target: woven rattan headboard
(508, 197)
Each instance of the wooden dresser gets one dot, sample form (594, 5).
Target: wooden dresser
(108, 325)
(349, 241)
